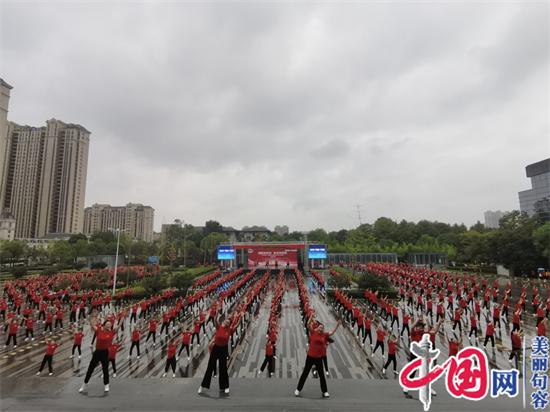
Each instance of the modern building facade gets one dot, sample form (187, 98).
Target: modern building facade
(45, 178)
(7, 226)
(4, 104)
(492, 218)
(134, 219)
(534, 200)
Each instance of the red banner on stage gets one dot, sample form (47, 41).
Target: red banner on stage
(271, 256)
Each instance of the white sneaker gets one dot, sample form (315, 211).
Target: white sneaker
(138, 356)
(434, 393)
(200, 389)
(164, 375)
(173, 375)
(226, 391)
(114, 375)
(384, 370)
(259, 372)
(37, 373)
(326, 373)
(72, 356)
(326, 395)
(83, 387)
(14, 346)
(106, 388)
(50, 374)
(188, 358)
(79, 356)
(32, 339)
(296, 392)
(177, 358)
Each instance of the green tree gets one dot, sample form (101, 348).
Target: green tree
(14, 250)
(61, 252)
(212, 226)
(513, 244)
(541, 239)
(181, 280)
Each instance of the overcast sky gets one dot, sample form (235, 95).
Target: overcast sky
(291, 113)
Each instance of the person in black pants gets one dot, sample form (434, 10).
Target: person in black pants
(268, 360)
(219, 352)
(104, 338)
(316, 350)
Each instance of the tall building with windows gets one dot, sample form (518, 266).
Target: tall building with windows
(536, 200)
(492, 218)
(4, 104)
(134, 219)
(45, 178)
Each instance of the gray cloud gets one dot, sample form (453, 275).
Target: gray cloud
(286, 113)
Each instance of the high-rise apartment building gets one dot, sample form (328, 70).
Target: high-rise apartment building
(492, 218)
(536, 199)
(45, 178)
(4, 104)
(134, 219)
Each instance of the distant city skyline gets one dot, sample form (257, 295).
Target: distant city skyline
(278, 115)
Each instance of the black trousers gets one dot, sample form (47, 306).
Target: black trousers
(29, 332)
(10, 337)
(474, 331)
(391, 358)
(405, 326)
(193, 338)
(492, 338)
(136, 344)
(164, 327)
(48, 326)
(268, 361)
(47, 358)
(218, 354)
(113, 364)
(133, 317)
(59, 322)
(76, 347)
(369, 334)
(72, 317)
(379, 344)
(99, 356)
(154, 335)
(181, 349)
(170, 362)
(318, 362)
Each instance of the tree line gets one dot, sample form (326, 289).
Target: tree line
(521, 243)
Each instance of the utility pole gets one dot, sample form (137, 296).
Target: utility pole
(358, 206)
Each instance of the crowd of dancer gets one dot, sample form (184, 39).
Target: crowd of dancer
(214, 316)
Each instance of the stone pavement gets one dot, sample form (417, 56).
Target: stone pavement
(127, 394)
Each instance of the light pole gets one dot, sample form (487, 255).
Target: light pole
(116, 258)
(184, 243)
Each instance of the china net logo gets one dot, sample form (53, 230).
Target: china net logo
(467, 374)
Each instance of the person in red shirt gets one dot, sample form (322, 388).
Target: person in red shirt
(516, 347)
(268, 359)
(185, 341)
(316, 350)
(136, 335)
(393, 345)
(171, 358)
(59, 319)
(406, 319)
(196, 332)
(541, 327)
(152, 331)
(165, 322)
(454, 346)
(113, 349)
(473, 326)
(77, 342)
(104, 337)
(219, 352)
(29, 326)
(51, 346)
(13, 327)
(368, 333)
(489, 334)
(48, 322)
(380, 336)
(133, 316)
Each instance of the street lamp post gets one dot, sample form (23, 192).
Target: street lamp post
(116, 258)
(184, 243)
